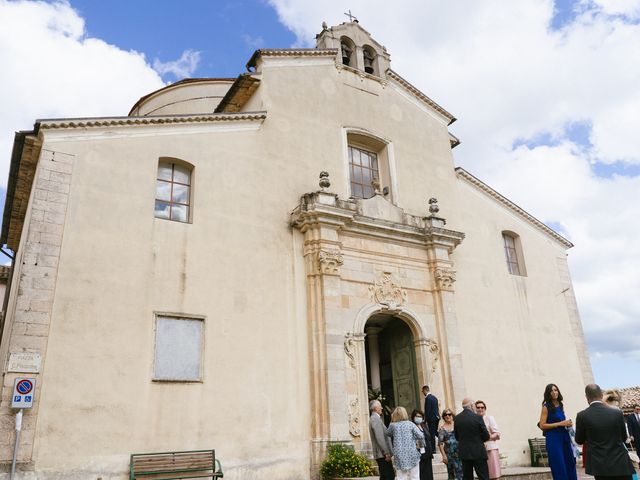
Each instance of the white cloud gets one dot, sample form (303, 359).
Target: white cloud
(628, 8)
(50, 68)
(181, 68)
(507, 75)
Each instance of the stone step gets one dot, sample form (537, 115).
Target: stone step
(511, 473)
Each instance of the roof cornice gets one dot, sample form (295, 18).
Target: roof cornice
(238, 94)
(421, 96)
(483, 187)
(290, 52)
(101, 122)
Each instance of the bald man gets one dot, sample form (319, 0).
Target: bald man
(471, 433)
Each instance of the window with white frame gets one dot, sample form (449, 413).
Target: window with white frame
(178, 348)
(173, 190)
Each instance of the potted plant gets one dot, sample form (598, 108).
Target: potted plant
(344, 462)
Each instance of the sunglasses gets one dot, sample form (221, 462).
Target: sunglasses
(447, 414)
(480, 407)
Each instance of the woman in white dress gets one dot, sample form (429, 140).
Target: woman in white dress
(493, 453)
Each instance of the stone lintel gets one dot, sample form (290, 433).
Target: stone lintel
(319, 208)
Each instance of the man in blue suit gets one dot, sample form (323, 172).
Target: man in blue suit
(431, 414)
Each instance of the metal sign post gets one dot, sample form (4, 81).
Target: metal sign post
(23, 393)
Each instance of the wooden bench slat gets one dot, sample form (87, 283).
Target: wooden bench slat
(175, 465)
(539, 456)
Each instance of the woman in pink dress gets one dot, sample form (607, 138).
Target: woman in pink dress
(493, 454)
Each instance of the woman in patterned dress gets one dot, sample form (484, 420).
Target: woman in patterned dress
(448, 446)
(405, 435)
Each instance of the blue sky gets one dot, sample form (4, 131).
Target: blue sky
(225, 33)
(546, 93)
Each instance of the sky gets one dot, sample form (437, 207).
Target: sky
(547, 96)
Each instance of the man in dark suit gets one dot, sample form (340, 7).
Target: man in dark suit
(471, 434)
(431, 414)
(602, 428)
(633, 422)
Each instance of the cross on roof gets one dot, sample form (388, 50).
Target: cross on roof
(351, 17)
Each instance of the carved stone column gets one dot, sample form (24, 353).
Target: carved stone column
(443, 277)
(323, 259)
(374, 356)
(356, 382)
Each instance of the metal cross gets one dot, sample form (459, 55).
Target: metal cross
(351, 17)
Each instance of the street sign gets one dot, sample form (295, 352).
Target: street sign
(23, 393)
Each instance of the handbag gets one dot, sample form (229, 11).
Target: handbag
(544, 432)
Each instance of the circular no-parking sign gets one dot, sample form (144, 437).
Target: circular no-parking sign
(24, 386)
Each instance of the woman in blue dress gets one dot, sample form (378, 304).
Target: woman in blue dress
(555, 426)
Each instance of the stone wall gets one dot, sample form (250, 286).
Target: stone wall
(29, 309)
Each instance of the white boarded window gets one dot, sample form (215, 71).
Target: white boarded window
(178, 349)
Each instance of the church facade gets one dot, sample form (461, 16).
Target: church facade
(240, 263)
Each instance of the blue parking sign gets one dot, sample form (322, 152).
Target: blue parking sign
(23, 392)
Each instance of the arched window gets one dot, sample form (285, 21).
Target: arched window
(369, 55)
(348, 51)
(173, 190)
(513, 253)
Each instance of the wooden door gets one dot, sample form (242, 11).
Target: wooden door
(403, 366)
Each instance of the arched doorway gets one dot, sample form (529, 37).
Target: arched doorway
(391, 361)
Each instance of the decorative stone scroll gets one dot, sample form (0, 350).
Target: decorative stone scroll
(434, 351)
(354, 416)
(329, 261)
(387, 292)
(445, 277)
(350, 349)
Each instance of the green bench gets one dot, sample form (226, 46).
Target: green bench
(175, 465)
(539, 457)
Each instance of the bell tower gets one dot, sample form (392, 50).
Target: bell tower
(357, 50)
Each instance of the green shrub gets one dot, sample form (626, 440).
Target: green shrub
(342, 462)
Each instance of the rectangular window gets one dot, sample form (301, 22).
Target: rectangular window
(178, 349)
(363, 168)
(173, 189)
(511, 254)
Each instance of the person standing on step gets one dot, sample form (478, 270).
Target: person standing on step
(380, 442)
(431, 415)
(557, 439)
(471, 433)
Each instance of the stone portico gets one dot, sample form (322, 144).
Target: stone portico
(365, 258)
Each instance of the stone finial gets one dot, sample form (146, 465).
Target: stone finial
(325, 26)
(433, 206)
(375, 184)
(324, 180)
